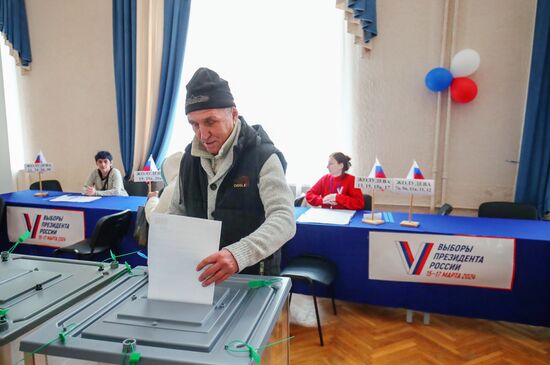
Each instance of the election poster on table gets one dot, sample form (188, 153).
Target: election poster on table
(48, 227)
(486, 262)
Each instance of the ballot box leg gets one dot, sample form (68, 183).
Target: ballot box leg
(280, 353)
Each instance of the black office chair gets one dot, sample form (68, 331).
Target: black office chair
(108, 232)
(445, 209)
(507, 210)
(313, 270)
(299, 200)
(368, 201)
(2, 209)
(50, 185)
(136, 188)
(2, 215)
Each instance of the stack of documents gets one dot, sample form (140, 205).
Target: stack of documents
(75, 198)
(326, 216)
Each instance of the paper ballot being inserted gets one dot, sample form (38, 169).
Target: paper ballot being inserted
(176, 245)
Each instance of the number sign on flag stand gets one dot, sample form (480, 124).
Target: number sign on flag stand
(149, 173)
(414, 184)
(376, 180)
(40, 165)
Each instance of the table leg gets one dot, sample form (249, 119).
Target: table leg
(409, 316)
(426, 318)
(29, 358)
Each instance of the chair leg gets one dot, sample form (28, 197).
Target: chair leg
(289, 299)
(317, 315)
(333, 303)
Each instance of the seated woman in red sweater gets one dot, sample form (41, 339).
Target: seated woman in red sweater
(336, 189)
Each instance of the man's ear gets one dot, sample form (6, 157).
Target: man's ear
(234, 114)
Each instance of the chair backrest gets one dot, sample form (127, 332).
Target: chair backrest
(507, 210)
(136, 188)
(2, 212)
(445, 209)
(51, 185)
(110, 229)
(2, 208)
(368, 201)
(299, 200)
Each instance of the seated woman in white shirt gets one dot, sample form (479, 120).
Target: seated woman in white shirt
(105, 180)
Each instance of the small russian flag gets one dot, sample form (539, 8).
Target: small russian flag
(415, 173)
(40, 158)
(150, 164)
(377, 171)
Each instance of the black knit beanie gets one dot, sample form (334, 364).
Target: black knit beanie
(207, 90)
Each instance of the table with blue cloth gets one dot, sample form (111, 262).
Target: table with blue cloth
(348, 246)
(93, 211)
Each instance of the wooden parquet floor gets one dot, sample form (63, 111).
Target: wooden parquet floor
(365, 334)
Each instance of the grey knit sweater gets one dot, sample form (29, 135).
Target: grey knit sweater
(114, 185)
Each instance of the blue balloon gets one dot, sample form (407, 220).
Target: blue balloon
(438, 79)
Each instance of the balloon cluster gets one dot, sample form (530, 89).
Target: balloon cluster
(463, 89)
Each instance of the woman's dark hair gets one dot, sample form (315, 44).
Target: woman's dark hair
(343, 159)
(103, 155)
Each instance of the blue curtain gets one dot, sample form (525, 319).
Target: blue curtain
(124, 50)
(176, 21)
(365, 12)
(533, 183)
(13, 24)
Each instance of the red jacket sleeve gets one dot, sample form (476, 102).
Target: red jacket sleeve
(354, 198)
(314, 196)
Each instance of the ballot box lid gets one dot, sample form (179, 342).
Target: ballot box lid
(35, 288)
(120, 319)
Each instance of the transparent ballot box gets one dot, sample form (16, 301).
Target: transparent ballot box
(33, 289)
(119, 324)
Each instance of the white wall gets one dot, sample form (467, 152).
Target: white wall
(68, 99)
(395, 114)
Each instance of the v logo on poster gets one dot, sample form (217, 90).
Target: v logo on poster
(414, 263)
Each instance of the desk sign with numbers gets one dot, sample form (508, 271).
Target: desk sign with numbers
(416, 187)
(146, 176)
(372, 183)
(38, 167)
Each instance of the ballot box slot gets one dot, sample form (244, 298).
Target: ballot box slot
(21, 285)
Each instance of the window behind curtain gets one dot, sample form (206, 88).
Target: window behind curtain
(283, 62)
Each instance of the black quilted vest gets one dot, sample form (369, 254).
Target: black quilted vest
(238, 203)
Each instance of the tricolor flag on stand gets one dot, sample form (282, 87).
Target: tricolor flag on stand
(150, 164)
(39, 164)
(415, 173)
(40, 158)
(149, 173)
(377, 179)
(377, 171)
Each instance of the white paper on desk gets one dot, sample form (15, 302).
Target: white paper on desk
(327, 216)
(176, 245)
(75, 198)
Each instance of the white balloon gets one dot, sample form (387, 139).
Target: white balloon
(465, 63)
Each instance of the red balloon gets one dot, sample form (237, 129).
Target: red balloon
(463, 90)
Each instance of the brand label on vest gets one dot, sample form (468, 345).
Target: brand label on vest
(242, 182)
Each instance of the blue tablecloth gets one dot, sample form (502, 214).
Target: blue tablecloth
(348, 246)
(93, 211)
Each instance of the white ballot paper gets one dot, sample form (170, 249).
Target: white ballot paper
(176, 245)
(75, 198)
(327, 216)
